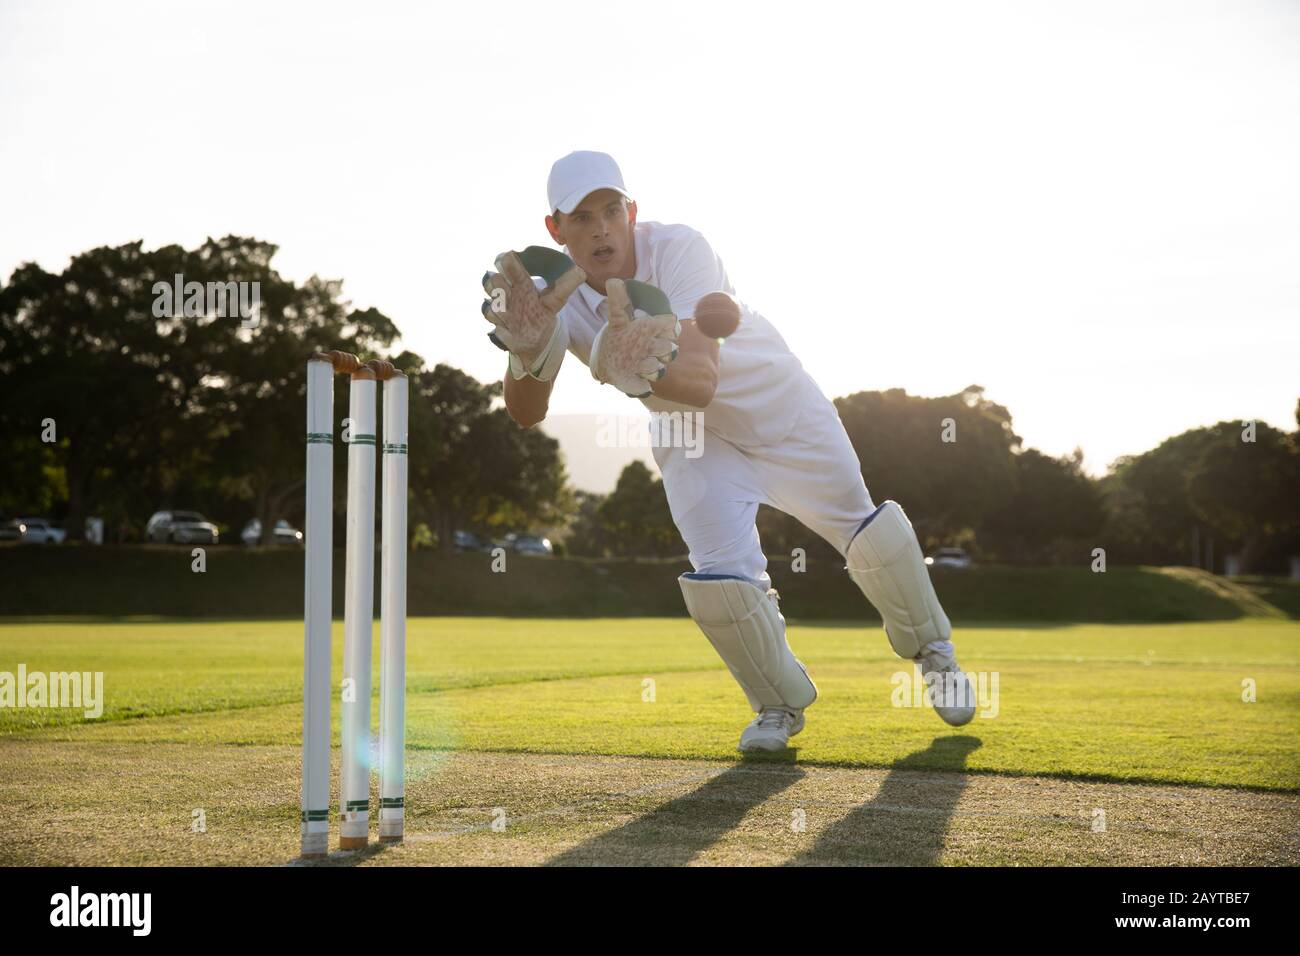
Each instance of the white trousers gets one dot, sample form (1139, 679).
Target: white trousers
(813, 475)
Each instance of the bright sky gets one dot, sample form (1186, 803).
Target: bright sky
(1090, 208)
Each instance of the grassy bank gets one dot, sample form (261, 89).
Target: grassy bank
(160, 580)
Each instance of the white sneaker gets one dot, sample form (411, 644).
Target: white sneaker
(953, 699)
(772, 729)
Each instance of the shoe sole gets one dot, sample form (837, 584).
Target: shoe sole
(957, 723)
(759, 748)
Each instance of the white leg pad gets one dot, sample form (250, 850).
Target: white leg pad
(745, 627)
(884, 560)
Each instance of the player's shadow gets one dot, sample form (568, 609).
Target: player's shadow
(905, 822)
(675, 833)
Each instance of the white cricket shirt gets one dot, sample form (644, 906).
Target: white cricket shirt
(762, 387)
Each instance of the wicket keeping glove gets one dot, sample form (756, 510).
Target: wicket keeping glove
(525, 320)
(630, 353)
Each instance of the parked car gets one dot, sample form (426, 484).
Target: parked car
(283, 533)
(180, 527)
(529, 544)
(32, 531)
(462, 541)
(949, 558)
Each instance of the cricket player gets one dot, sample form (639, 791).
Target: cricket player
(770, 437)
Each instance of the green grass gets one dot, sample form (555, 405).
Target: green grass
(1153, 703)
(1279, 592)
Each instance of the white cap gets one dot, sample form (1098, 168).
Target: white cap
(576, 176)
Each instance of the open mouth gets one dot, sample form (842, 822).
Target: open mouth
(603, 254)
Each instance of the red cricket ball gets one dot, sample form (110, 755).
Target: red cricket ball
(717, 315)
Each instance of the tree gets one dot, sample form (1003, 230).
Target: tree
(1247, 491)
(257, 402)
(780, 533)
(946, 487)
(471, 465)
(1150, 515)
(636, 516)
(199, 411)
(587, 535)
(1053, 505)
(84, 349)
(1206, 484)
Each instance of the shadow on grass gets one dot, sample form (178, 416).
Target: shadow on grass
(677, 832)
(905, 822)
(342, 858)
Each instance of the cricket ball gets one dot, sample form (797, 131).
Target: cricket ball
(717, 315)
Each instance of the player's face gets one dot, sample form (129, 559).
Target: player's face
(599, 236)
